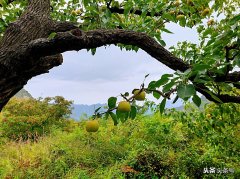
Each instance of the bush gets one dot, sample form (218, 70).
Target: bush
(158, 146)
(151, 164)
(30, 118)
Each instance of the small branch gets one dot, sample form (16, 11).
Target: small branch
(159, 92)
(102, 113)
(109, 3)
(124, 97)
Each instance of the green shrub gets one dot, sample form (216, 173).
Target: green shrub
(179, 145)
(30, 118)
(151, 164)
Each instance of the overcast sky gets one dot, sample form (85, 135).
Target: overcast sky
(88, 79)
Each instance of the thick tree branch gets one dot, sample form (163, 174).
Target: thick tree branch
(229, 78)
(77, 40)
(224, 98)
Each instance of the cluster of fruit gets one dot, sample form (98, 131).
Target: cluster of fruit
(76, 12)
(123, 106)
(203, 11)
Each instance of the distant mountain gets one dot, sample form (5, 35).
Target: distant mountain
(23, 94)
(79, 110)
(84, 111)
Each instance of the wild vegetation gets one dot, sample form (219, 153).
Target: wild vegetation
(209, 67)
(37, 138)
(176, 144)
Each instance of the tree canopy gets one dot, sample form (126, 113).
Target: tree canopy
(33, 33)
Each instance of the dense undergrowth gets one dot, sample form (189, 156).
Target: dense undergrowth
(175, 145)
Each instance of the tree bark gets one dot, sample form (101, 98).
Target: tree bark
(16, 70)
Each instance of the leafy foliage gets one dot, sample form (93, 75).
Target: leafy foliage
(29, 118)
(177, 143)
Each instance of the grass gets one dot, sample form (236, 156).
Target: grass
(147, 147)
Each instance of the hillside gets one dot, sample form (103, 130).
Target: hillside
(23, 94)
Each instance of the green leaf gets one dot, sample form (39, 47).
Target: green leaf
(106, 116)
(127, 10)
(161, 82)
(114, 118)
(123, 116)
(85, 2)
(213, 96)
(97, 109)
(235, 19)
(133, 112)
(156, 95)
(182, 22)
(237, 62)
(162, 43)
(167, 75)
(197, 100)
(52, 35)
(167, 31)
(3, 3)
(93, 51)
(112, 102)
(152, 85)
(168, 16)
(200, 67)
(162, 105)
(186, 90)
(168, 86)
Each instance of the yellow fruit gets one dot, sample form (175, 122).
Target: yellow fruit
(124, 106)
(208, 115)
(74, 13)
(158, 31)
(139, 96)
(210, 22)
(103, 8)
(177, 3)
(205, 12)
(189, 2)
(180, 17)
(172, 12)
(92, 126)
(78, 11)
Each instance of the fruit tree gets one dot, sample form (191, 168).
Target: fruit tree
(34, 33)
